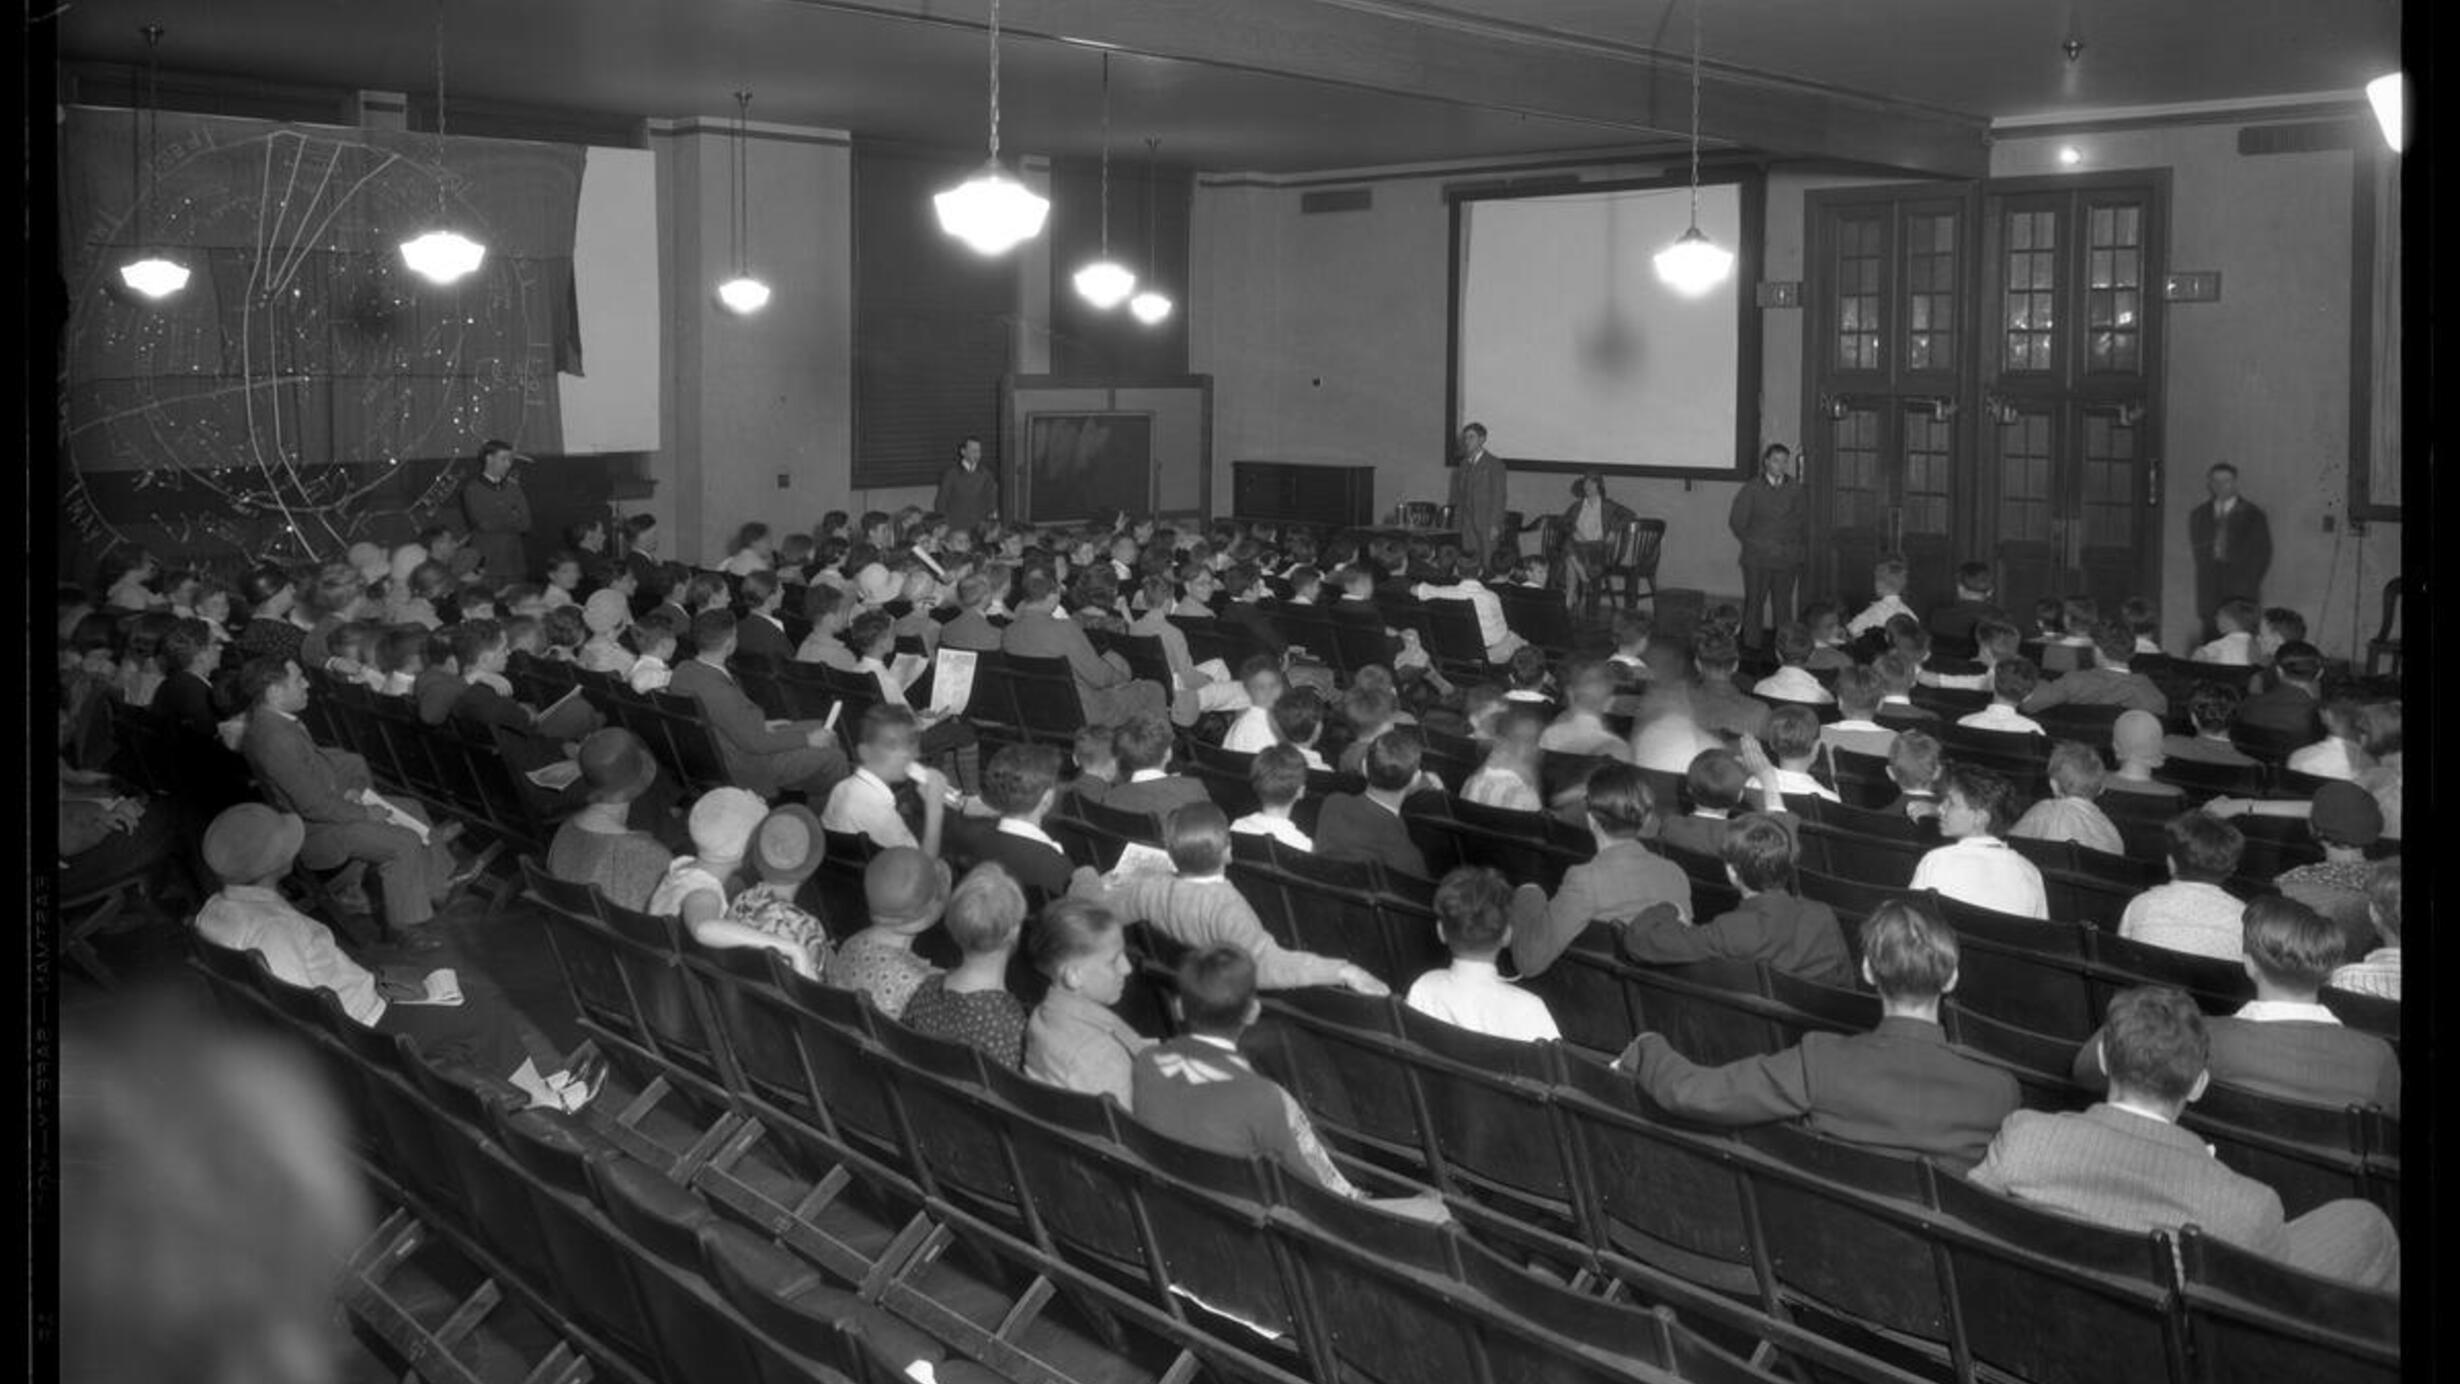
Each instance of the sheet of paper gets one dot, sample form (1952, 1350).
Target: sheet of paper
(556, 777)
(1141, 859)
(952, 681)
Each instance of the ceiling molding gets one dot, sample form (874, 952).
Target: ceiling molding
(1613, 160)
(667, 127)
(2328, 105)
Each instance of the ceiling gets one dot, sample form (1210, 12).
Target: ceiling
(1289, 86)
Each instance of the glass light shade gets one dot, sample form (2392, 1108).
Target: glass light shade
(992, 212)
(154, 276)
(2389, 95)
(1150, 307)
(442, 256)
(1105, 283)
(1694, 264)
(743, 294)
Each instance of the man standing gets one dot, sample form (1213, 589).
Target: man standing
(1772, 520)
(1478, 497)
(2233, 546)
(499, 514)
(969, 491)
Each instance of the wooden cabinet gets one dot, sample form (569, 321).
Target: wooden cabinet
(1286, 492)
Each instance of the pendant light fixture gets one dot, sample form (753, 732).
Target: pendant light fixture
(1152, 305)
(992, 212)
(441, 255)
(742, 294)
(1694, 264)
(150, 272)
(1106, 282)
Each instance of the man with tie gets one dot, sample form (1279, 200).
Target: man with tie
(499, 514)
(1772, 521)
(1477, 497)
(2232, 543)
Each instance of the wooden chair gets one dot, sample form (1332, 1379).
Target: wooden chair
(1631, 558)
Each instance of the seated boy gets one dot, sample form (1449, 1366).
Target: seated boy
(1144, 744)
(2379, 973)
(1888, 580)
(1371, 712)
(1976, 597)
(1021, 784)
(1793, 742)
(2143, 617)
(2069, 813)
(971, 1004)
(653, 641)
(1623, 879)
(2193, 913)
(1367, 826)
(1720, 781)
(2011, 681)
(1827, 638)
(1898, 671)
(2236, 621)
(1095, 753)
(1279, 776)
(1582, 728)
(1994, 642)
(1792, 682)
(1076, 1039)
(865, 802)
(1472, 912)
(1858, 693)
(1298, 718)
(1629, 661)
(1773, 924)
(1509, 777)
(2213, 707)
(1252, 730)
(1914, 767)
(905, 892)
(2136, 741)
(2334, 756)
(1975, 866)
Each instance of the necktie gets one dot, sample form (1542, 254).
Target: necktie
(2220, 532)
(909, 802)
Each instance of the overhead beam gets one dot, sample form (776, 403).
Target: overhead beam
(1447, 56)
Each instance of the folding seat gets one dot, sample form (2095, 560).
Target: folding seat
(1309, 628)
(1655, 1189)
(237, 979)
(1253, 871)
(1860, 823)
(757, 674)
(406, 764)
(2119, 963)
(699, 764)
(1546, 1330)
(1490, 1125)
(1205, 1219)
(834, 1029)
(2040, 1062)
(2203, 780)
(1454, 638)
(2045, 1296)
(953, 1139)
(2254, 1320)
(1387, 1303)
(739, 989)
(1408, 942)
(1524, 845)
(803, 696)
(650, 950)
(836, 888)
(1585, 992)
(1852, 900)
(1332, 909)
(1225, 776)
(411, 1151)
(1142, 827)
(1338, 1054)
(501, 1209)
(1710, 1011)
(699, 1339)
(2308, 1153)
(1049, 707)
(1845, 1237)
(1712, 893)
(1069, 1167)
(1145, 657)
(2023, 972)
(1949, 703)
(2275, 844)
(1869, 859)
(2365, 1013)
(1862, 779)
(1819, 1008)
(421, 1307)
(589, 957)
(801, 1326)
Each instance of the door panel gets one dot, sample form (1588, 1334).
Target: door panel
(2031, 562)
(1925, 504)
(1859, 500)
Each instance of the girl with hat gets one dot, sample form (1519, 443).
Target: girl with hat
(606, 614)
(785, 850)
(598, 845)
(697, 886)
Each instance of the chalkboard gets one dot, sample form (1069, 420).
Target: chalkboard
(1079, 465)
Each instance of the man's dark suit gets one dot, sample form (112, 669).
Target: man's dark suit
(763, 637)
(1157, 797)
(2231, 555)
(1793, 934)
(1351, 827)
(187, 701)
(1030, 863)
(322, 786)
(758, 758)
(2287, 1059)
(970, 630)
(1899, 1087)
(1956, 619)
(1772, 522)
(2283, 710)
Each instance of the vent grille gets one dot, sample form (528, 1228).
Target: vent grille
(1336, 199)
(2304, 137)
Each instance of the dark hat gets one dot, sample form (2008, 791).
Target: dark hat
(251, 841)
(787, 847)
(615, 766)
(2346, 814)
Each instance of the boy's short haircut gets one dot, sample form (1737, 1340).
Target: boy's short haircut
(260, 673)
(869, 628)
(1911, 952)
(2202, 848)
(2383, 899)
(2050, 613)
(1888, 575)
(1473, 910)
(1216, 986)
(1620, 800)
(1819, 613)
(1632, 627)
(1528, 666)
(2239, 611)
(2140, 615)
(564, 628)
(1858, 691)
(985, 910)
(1975, 577)
(1909, 636)
(2287, 623)
(1069, 930)
(1896, 670)
(702, 589)
(2298, 661)
(1793, 642)
(758, 587)
(1760, 851)
(1716, 654)
(2113, 642)
(2155, 1042)
(1303, 576)
(2013, 679)
(887, 725)
(821, 601)
(2379, 728)
(1258, 665)
(1278, 774)
(2345, 712)
(1393, 760)
(2076, 770)
(1367, 707)
(1988, 632)
(1095, 743)
(1913, 759)
(2082, 613)
(1716, 778)
(2213, 705)
(1298, 715)
(1199, 838)
(1160, 592)
(651, 628)
(1144, 741)
(712, 630)
(2291, 944)
(1980, 788)
(1017, 777)
(1793, 733)
(473, 638)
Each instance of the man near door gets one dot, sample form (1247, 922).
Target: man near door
(1477, 497)
(1772, 521)
(2233, 546)
(969, 491)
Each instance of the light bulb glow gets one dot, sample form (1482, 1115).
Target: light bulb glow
(992, 212)
(2070, 155)
(1150, 307)
(1694, 264)
(154, 276)
(2389, 94)
(443, 256)
(1105, 283)
(743, 294)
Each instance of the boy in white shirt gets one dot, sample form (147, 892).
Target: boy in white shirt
(1793, 741)
(2236, 621)
(1888, 579)
(653, 639)
(2011, 681)
(1632, 629)
(2145, 621)
(1975, 866)
(1279, 776)
(2334, 755)
(1792, 682)
(1473, 912)
(1298, 718)
(1252, 732)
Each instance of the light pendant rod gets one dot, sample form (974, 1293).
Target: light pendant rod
(1695, 114)
(148, 273)
(1106, 153)
(992, 212)
(742, 293)
(1693, 264)
(442, 255)
(1152, 305)
(1105, 283)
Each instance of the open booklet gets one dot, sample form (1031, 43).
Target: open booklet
(441, 987)
(556, 777)
(399, 818)
(1141, 859)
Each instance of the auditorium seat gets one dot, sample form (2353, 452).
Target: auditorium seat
(2045, 1296)
(648, 948)
(1339, 1054)
(2253, 1320)
(2308, 1153)
(1489, 1122)
(695, 1342)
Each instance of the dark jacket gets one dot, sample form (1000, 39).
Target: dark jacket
(1772, 522)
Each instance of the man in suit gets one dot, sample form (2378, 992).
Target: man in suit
(2283, 1043)
(1774, 923)
(1245, 608)
(2126, 1163)
(2287, 711)
(767, 759)
(1623, 879)
(1040, 630)
(1478, 498)
(333, 794)
(1976, 601)
(1772, 520)
(2232, 542)
(2109, 682)
(970, 628)
(499, 514)
(969, 490)
(1899, 1087)
(1143, 745)
(1368, 826)
(761, 633)
(1021, 784)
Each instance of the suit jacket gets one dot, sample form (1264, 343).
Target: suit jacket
(499, 514)
(1478, 502)
(966, 498)
(1032, 864)
(302, 777)
(2099, 687)
(1792, 934)
(1623, 879)
(1956, 619)
(1352, 828)
(763, 637)
(743, 734)
(1773, 523)
(1900, 1087)
(1157, 797)
(970, 629)
(2241, 571)
(2132, 1172)
(1040, 634)
(187, 701)
(2282, 710)
(2288, 1059)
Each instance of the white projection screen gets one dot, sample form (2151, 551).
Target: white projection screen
(1574, 354)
